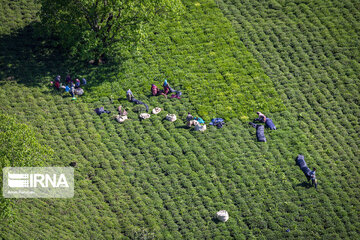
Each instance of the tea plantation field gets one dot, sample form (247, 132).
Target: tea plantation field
(297, 61)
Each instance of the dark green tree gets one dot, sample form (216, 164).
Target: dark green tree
(94, 29)
(18, 148)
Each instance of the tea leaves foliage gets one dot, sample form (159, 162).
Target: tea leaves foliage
(156, 179)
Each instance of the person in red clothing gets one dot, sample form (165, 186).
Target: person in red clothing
(166, 89)
(156, 92)
(57, 82)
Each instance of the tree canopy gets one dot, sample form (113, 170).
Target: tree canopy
(18, 148)
(97, 28)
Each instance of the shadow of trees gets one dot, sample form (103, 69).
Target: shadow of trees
(31, 59)
(304, 184)
(26, 58)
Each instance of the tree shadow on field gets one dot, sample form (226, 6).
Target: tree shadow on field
(216, 220)
(304, 184)
(28, 58)
(183, 127)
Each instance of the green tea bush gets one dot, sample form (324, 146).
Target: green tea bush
(139, 178)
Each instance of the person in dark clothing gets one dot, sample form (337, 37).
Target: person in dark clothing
(313, 178)
(189, 120)
(68, 79)
(166, 89)
(165, 83)
(72, 90)
(101, 110)
(130, 97)
(310, 175)
(167, 86)
(77, 83)
(57, 82)
(189, 117)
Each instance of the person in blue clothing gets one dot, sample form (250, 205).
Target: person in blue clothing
(129, 95)
(168, 89)
(165, 83)
(199, 119)
(72, 90)
(77, 83)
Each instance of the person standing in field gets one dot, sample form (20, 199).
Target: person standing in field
(189, 120)
(313, 178)
(129, 95)
(57, 82)
(77, 83)
(72, 90)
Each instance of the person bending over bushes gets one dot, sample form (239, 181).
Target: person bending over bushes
(130, 97)
(156, 92)
(263, 119)
(57, 82)
(310, 175)
(168, 89)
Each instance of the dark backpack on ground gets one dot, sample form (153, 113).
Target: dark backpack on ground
(101, 110)
(218, 122)
(300, 161)
(269, 123)
(260, 135)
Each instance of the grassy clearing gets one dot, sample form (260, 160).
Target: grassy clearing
(157, 179)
